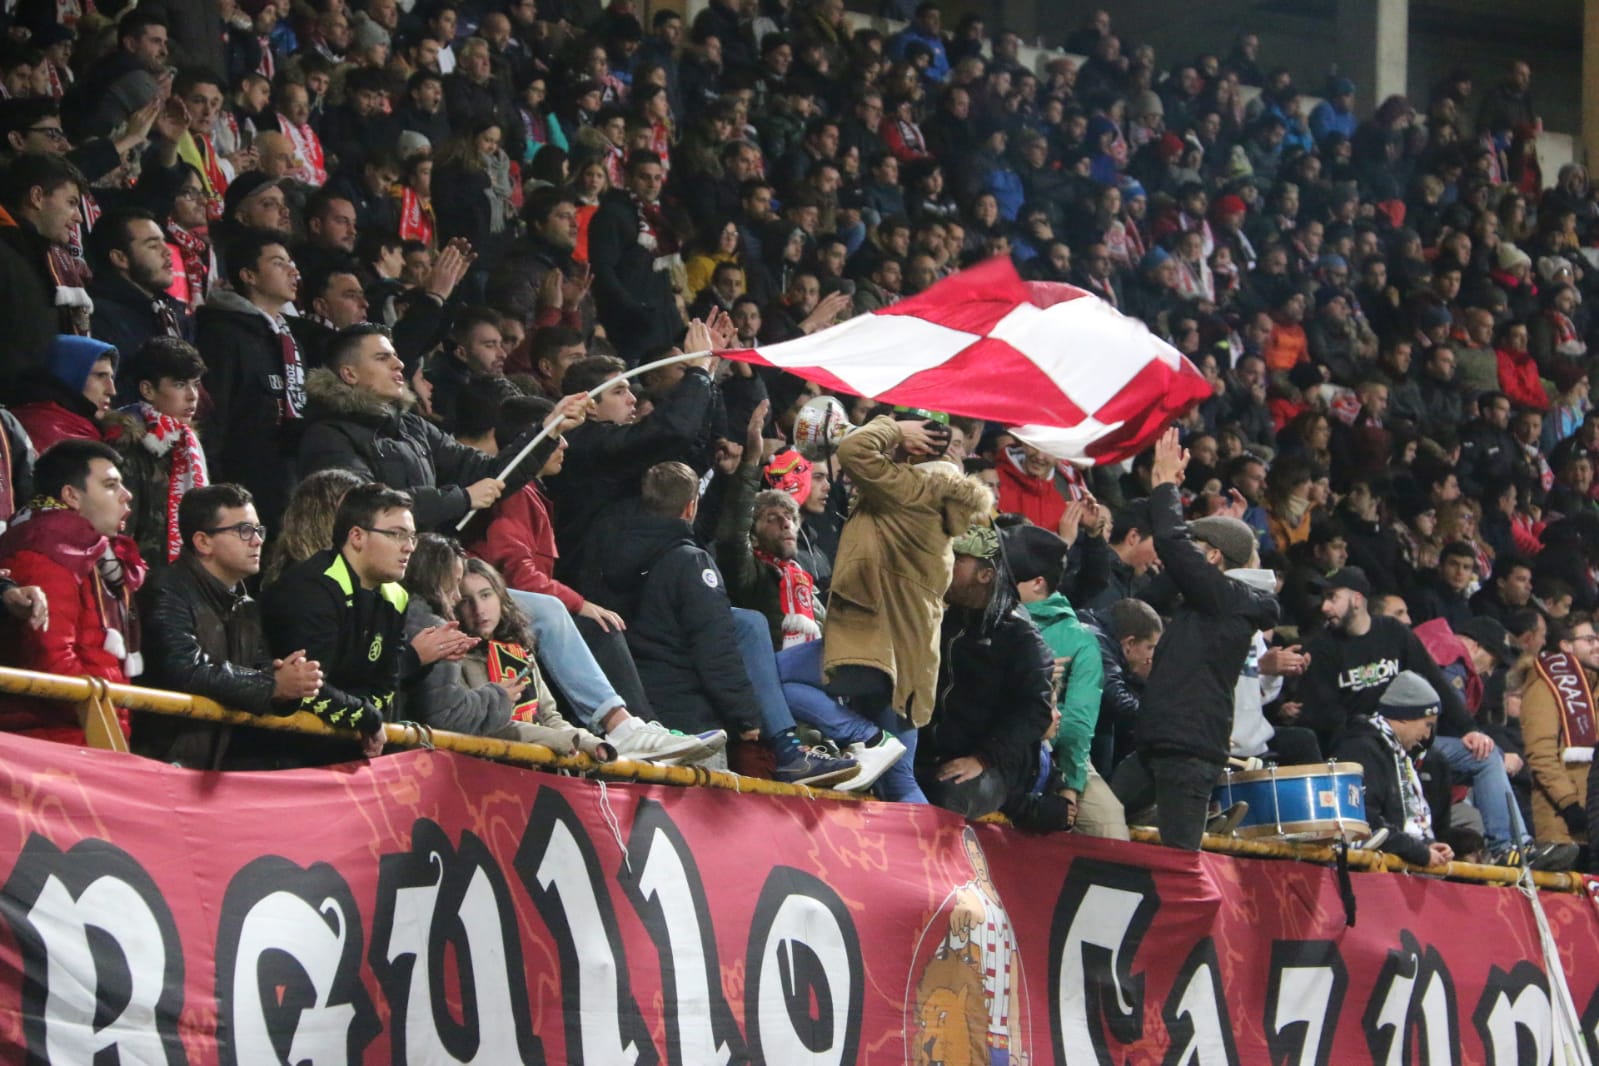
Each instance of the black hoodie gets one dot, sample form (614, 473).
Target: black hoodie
(679, 626)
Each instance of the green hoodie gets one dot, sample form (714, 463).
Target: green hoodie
(1079, 696)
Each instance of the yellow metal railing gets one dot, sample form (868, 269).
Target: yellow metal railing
(96, 700)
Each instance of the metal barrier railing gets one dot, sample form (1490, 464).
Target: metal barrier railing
(95, 700)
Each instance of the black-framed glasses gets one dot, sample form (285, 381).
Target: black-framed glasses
(245, 531)
(398, 536)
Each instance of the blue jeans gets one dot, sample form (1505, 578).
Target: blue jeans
(800, 668)
(755, 648)
(571, 665)
(1490, 791)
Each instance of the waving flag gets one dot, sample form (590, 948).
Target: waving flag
(1068, 372)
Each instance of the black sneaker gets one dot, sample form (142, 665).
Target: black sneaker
(1550, 857)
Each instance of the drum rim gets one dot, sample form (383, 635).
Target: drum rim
(1352, 828)
(1279, 773)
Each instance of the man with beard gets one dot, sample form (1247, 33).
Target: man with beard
(1558, 729)
(1353, 662)
(132, 271)
(538, 281)
(360, 419)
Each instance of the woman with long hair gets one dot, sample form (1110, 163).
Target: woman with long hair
(713, 245)
(540, 127)
(474, 191)
(507, 698)
(1288, 501)
(1309, 435)
(308, 520)
(1460, 520)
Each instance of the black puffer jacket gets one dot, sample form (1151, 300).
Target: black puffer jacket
(1188, 702)
(203, 638)
(995, 694)
(352, 429)
(679, 626)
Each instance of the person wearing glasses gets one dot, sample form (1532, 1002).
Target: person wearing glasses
(203, 633)
(1557, 729)
(344, 608)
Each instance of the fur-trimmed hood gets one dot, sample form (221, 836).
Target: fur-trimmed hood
(329, 396)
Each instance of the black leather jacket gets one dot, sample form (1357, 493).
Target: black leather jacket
(205, 639)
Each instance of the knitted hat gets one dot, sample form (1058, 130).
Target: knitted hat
(1034, 552)
(1231, 204)
(1131, 188)
(366, 34)
(71, 358)
(1408, 697)
(1146, 103)
(412, 142)
(1231, 537)
(1510, 256)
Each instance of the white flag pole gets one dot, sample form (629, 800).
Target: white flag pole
(544, 433)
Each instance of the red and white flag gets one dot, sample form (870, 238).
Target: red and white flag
(1072, 375)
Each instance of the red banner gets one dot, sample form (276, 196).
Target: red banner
(431, 908)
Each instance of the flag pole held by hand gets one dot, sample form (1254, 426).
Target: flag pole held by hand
(527, 449)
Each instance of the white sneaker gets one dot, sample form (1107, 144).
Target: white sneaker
(653, 742)
(874, 760)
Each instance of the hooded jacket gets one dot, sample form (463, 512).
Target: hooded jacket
(894, 564)
(679, 626)
(1187, 707)
(352, 429)
(203, 638)
(1385, 805)
(250, 443)
(995, 693)
(91, 629)
(1085, 679)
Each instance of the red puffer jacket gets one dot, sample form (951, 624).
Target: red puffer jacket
(58, 551)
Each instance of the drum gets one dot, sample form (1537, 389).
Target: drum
(1319, 802)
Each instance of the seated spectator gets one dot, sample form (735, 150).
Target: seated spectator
(1037, 561)
(1446, 592)
(161, 456)
(359, 418)
(257, 371)
(203, 632)
(65, 544)
(344, 607)
(308, 520)
(691, 653)
(509, 704)
(490, 611)
(1384, 743)
(69, 395)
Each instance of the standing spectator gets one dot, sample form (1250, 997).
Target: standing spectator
(161, 459)
(1187, 710)
(66, 545)
(42, 195)
(628, 233)
(256, 372)
(132, 271)
(1557, 727)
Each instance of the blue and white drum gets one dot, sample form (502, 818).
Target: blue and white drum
(1319, 802)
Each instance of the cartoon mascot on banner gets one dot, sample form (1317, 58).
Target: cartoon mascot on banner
(968, 1006)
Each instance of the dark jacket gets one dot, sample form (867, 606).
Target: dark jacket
(206, 639)
(1434, 599)
(250, 443)
(995, 694)
(28, 299)
(679, 626)
(1385, 805)
(435, 127)
(1120, 696)
(514, 285)
(357, 634)
(354, 430)
(1188, 704)
(604, 462)
(635, 300)
(125, 317)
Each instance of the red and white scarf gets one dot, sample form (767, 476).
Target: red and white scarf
(312, 169)
(165, 435)
(1569, 682)
(196, 255)
(416, 216)
(796, 596)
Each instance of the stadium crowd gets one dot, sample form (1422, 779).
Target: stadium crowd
(274, 327)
